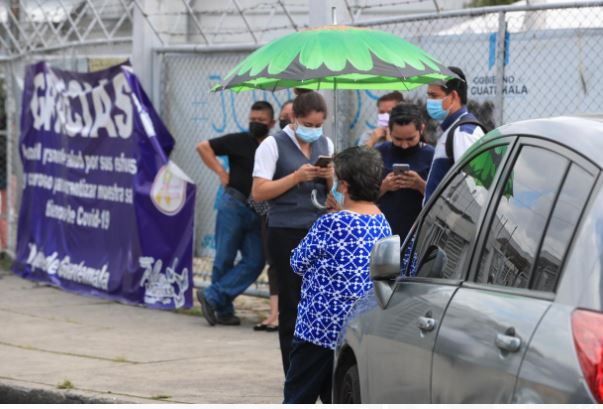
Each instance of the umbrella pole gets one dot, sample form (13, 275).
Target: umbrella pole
(335, 135)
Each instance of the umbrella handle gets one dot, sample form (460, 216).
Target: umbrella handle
(315, 201)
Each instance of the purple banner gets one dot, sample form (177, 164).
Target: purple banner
(103, 210)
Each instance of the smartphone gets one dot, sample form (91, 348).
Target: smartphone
(400, 168)
(323, 161)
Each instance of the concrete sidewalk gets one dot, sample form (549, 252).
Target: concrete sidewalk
(107, 351)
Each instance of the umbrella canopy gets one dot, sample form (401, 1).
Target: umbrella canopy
(336, 57)
(483, 169)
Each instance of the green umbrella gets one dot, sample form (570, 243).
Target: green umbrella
(483, 169)
(336, 57)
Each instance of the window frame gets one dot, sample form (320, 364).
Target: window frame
(572, 158)
(509, 141)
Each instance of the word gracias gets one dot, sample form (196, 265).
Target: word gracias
(77, 109)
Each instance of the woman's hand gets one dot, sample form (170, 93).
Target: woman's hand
(390, 183)
(306, 173)
(326, 172)
(412, 180)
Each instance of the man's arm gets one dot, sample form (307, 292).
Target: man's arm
(208, 156)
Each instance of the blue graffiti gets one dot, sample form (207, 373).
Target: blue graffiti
(358, 109)
(234, 114)
(220, 191)
(219, 129)
(492, 49)
(371, 95)
(208, 242)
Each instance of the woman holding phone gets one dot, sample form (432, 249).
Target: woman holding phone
(285, 174)
(406, 163)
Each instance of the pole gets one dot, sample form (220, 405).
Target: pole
(500, 68)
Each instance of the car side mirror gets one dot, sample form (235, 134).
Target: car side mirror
(384, 266)
(433, 263)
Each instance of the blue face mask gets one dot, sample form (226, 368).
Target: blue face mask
(307, 134)
(436, 110)
(338, 196)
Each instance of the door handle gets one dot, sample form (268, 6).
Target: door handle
(508, 343)
(426, 323)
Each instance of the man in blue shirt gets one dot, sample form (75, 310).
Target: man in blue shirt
(446, 102)
(401, 195)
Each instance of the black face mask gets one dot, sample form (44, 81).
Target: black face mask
(408, 151)
(258, 129)
(283, 123)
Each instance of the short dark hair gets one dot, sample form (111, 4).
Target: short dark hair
(361, 167)
(299, 91)
(406, 113)
(308, 102)
(456, 84)
(263, 106)
(287, 102)
(392, 96)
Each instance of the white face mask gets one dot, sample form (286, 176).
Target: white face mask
(383, 120)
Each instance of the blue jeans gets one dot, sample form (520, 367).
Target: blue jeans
(237, 229)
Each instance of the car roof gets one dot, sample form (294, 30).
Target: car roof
(583, 134)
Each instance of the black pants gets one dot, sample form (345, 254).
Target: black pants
(309, 375)
(272, 277)
(282, 241)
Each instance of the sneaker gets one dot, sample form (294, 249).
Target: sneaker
(228, 320)
(206, 308)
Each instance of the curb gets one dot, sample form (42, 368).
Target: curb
(11, 393)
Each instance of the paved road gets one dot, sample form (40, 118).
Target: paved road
(113, 351)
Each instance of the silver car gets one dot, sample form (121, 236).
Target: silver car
(496, 294)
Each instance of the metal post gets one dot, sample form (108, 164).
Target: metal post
(500, 69)
(319, 14)
(10, 106)
(144, 39)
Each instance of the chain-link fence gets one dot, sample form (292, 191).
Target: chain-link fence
(546, 64)
(521, 62)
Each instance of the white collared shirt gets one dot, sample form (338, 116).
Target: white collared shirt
(266, 155)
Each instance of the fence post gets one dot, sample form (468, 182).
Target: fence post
(500, 68)
(144, 39)
(11, 137)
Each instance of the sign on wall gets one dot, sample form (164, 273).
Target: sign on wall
(103, 212)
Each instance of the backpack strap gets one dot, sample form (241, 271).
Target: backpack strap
(452, 130)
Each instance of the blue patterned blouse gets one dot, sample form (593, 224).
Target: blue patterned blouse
(333, 260)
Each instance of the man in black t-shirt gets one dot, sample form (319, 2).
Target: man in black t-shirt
(237, 224)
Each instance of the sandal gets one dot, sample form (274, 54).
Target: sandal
(260, 327)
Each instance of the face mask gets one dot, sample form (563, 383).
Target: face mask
(436, 110)
(258, 129)
(383, 120)
(307, 134)
(338, 196)
(283, 123)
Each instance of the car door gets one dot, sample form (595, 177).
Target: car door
(490, 320)
(400, 347)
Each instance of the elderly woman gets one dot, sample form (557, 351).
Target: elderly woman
(333, 260)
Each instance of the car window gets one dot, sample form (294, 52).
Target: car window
(564, 219)
(584, 266)
(449, 227)
(520, 218)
